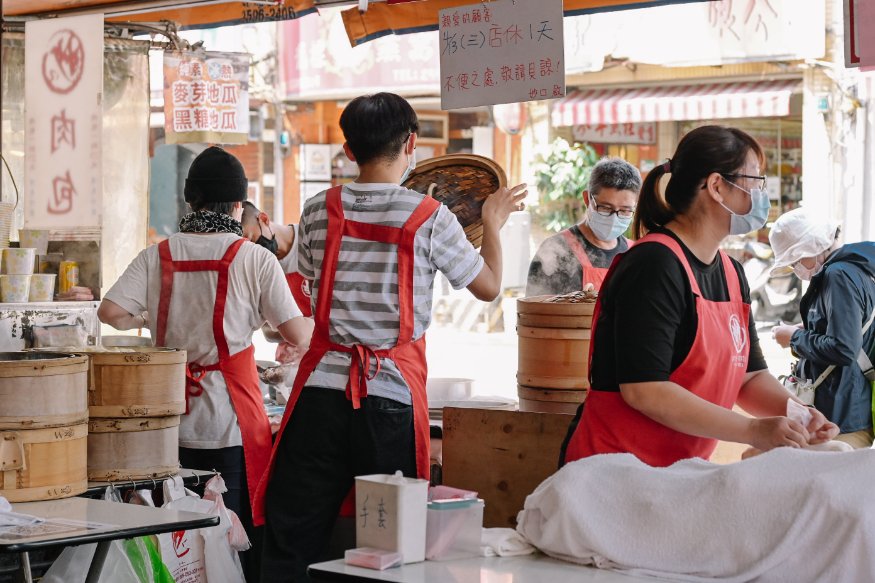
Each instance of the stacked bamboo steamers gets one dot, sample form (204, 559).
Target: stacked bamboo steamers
(91, 414)
(554, 334)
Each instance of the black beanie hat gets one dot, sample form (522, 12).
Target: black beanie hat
(216, 176)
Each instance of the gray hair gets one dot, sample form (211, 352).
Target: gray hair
(614, 173)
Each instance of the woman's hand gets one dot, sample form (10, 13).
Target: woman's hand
(783, 334)
(767, 433)
(820, 430)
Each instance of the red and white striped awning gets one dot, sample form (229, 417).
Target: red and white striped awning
(688, 102)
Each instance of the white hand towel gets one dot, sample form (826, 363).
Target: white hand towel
(504, 542)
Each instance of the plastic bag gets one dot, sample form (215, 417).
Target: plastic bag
(183, 550)
(136, 560)
(237, 536)
(72, 566)
(204, 555)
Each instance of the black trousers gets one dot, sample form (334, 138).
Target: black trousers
(229, 462)
(325, 445)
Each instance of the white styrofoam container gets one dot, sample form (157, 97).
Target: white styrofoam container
(390, 513)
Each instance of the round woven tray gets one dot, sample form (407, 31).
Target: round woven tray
(462, 182)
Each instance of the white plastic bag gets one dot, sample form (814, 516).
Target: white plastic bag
(73, 563)
(204, 555)
(183, 550)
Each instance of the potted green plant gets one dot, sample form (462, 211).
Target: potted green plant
(562, 175)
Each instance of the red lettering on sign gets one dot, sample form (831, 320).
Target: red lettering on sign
(63, 130)
(62, 195)
(64, 62)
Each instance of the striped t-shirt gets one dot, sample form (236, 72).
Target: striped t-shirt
(364, 308)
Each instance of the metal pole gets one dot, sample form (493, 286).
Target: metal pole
(97, 561)
(24, 574)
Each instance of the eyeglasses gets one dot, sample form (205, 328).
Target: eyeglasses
(607, 210)
(762, 179)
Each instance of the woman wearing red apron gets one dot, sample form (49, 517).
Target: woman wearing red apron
(206, 290)
(580, 256)
(673, 345)
(358, 406)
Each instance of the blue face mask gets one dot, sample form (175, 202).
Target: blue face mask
(606, 228)
(755, 218)
(411, 164)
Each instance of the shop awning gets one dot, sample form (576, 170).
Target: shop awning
(404, 17)
(185, 13)
(688, 102)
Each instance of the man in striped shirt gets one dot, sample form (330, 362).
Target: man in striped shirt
(371, 250)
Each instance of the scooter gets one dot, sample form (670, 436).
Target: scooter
(773, 298)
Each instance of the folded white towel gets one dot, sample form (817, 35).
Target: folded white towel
(504, 542)
(786, 515)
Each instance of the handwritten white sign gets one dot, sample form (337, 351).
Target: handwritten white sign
(505, 51)
(63, 85)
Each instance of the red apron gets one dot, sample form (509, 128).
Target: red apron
(300, 289)
(593, 275)
(238, 370)
(408, 355)
(714, 370)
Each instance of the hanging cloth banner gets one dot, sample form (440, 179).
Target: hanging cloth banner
(407, 17)
(63, 72)
(206, 97)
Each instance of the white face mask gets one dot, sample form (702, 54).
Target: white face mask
(804, 273)
(606, 228)
(755, 218)
(411, 164)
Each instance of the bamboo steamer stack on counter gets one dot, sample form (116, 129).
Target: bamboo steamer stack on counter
(135, 398)
(43, 425)
(554, 334)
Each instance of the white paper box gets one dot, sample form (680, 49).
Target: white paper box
(390, 514)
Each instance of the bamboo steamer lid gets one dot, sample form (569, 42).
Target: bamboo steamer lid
(462, 182)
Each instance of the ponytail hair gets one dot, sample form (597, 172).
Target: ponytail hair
(700, 153)
(652, 211)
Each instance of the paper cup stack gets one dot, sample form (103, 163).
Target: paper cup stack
(18, 265)
(7, 214)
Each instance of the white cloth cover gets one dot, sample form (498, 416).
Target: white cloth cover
(787, 515)
(503, 542)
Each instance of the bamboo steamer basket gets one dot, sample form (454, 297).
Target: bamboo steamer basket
(553, 339)
(140, 381)
(43, 464)
(550, 400)
(133, 448)
(462, 182)
(42, 390)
